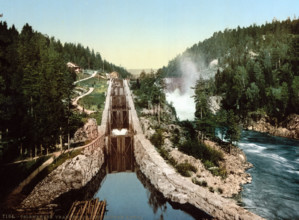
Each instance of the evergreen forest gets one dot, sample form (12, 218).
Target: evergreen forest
(257, 73)
(36, 89)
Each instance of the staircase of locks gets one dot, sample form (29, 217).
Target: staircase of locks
(120, 133)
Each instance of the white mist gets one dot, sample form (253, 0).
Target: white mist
(182, 101)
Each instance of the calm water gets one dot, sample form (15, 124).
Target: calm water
(274, 191)
(130, 195)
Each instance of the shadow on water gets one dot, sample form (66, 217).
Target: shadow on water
(157, 201)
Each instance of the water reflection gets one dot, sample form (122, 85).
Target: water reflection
(130, 194)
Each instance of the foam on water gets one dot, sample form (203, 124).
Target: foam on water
(273, 193)
(251, 147)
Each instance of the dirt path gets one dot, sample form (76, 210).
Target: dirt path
(75, 102)
(93, 75)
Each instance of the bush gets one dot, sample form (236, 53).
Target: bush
(185, 168)
(208, 164)
(157, 139)
(175, 139)
(204, 183)
(200, 183)
(220, 190)
(211, 189)
(201, 151)
(222, 172)
(172, 161)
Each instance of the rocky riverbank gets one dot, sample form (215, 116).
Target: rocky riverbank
(235, 162)
(288, 128)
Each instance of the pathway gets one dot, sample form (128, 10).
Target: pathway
(93, 75)
(75, 102)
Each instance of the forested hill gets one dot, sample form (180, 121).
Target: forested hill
(36, 89)
(257, 67)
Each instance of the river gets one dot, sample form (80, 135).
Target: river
(274, 191)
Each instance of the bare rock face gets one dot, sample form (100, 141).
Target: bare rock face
(88, 132)
(288, 128)
(147, 127)
(72, 174)
(214, 103)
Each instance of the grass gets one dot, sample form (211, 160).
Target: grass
(96, 100)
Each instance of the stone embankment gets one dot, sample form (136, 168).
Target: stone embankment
(175, 187)
(289, 128)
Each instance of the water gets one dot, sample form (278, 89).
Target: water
(274, 191)
(130, 195)
(127, 198)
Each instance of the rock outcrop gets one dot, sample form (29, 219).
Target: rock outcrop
(72, 174)
(88, 132)
(289, 128)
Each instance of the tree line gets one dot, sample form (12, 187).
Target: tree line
(36, 90)
(88, 59)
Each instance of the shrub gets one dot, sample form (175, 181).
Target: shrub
(220, 190)
(157, 139)
(208, 164)
(222, 172)
(201, 151)
(195, 181)
(164, 153)
(204, 183)
(172, 161)
(175, 139)
(200, 183)
(185, 168)
(211, 189)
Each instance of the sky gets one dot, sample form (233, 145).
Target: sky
(141, 34)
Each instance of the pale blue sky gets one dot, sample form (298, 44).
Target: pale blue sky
(137, 33)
